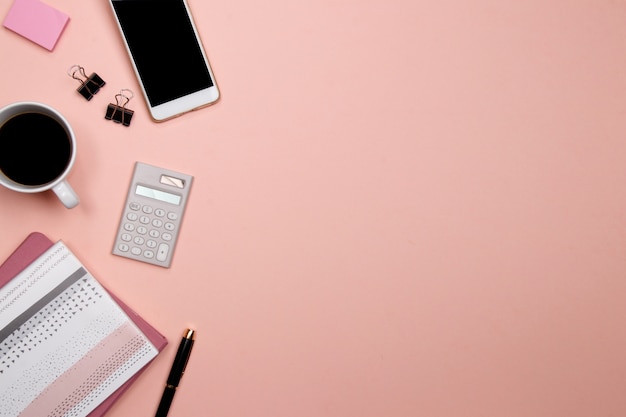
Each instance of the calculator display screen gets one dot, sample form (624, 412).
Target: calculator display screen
(158, 195)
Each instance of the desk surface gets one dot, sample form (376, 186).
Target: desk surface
(399, 209)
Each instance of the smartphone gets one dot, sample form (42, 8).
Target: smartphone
(167, 55)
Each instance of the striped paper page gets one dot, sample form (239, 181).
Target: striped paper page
(65, 344)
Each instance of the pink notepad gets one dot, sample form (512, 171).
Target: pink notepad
(36, 21)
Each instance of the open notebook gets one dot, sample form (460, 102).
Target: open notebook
(67, 346)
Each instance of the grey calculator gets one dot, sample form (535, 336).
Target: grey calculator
(152, 215)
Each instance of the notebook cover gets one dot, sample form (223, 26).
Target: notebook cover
(36, 244)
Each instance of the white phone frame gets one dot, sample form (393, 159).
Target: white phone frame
(182, 105)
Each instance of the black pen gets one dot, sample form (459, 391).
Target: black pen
(178, 369)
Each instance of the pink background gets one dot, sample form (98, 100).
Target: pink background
(400, 208)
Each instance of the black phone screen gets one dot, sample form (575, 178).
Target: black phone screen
(165, 49)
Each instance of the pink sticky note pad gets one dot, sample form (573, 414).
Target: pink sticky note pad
(36, 21)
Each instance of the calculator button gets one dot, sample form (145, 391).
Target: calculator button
(172, 216)
(162, 252)
(139, 240)
(166, 236)
(148, 254)
(134, 206)
(151, 244)
(147, 209)
(157, 223)
(129, 227)
(131, 216)
(169, 226)
(126, 237)
(154, 233)
(159, 212)
(135, 251)
(142, 230)
(123, 247)
(144, 219)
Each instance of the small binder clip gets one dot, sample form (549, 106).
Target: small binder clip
(118, 112)
(88, 85)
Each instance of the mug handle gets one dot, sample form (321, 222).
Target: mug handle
(66, 194)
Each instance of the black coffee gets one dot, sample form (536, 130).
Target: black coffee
(34, 149)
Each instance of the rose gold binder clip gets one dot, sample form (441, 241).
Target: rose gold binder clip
(88, 85)
(118, 112)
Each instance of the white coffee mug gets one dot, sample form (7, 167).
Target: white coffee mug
(37, 150)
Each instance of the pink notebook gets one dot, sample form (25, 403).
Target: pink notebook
(35, 245)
